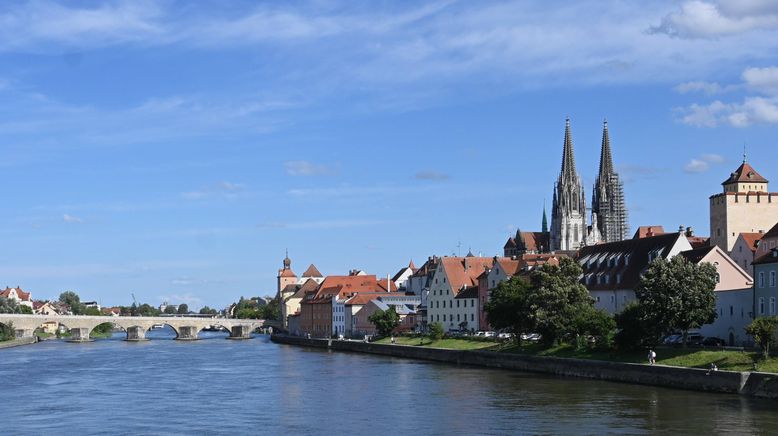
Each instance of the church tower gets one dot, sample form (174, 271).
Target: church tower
(286, 276)
(609, 214)
(568, 212)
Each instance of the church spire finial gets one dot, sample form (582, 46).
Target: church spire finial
(606, 159)
(544, 227)
(568, 156)
(744, 153)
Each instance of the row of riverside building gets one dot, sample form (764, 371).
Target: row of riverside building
(454, 290)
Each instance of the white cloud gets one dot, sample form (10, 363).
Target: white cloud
(702, 164)
(762, 79)
(752, 110)
(709, 88)
(710, 19)
(72, 219)
(307, 168)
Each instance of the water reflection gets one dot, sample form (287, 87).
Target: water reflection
(218, 386)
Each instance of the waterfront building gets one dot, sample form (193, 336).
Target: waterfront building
(745, 206)
(503, 268)
(402, 277)
(528, 243)
(766, 283)
(453, 276)
(744, 252)
(18, 295)
(288, 286)
(362, 325)
(46, 308)
(734, 295)
(612, 270)
(419, 284)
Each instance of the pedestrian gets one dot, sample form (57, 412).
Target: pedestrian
(392, 339)
(651, 357)
(713, 368)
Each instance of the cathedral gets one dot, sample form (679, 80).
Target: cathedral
(569, 229)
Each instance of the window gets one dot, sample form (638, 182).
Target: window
(613, 298)
(472, 303)
(718, 278)
(772, 305)
(444, 279)
(761, 305)
(731, 310)
(761, 280)
(492, 283)
(772, 279)
(444, 317)
(457, 304)
(598, 299)
(436, 281)
(472, 317)
(457, 317)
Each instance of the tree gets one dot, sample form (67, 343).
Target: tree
(183, 309)
(8, 305)
(763, 330)
(73, 301)
(208, 311)
(508, 307)
(435, 331)
(170, 310)
(678, 295)
(557, 296)
(248, 313)
(272, 310)
(27, 310)
(92, 311)
(385, 321)
(597, 324)
(7, 331)
(634, 331)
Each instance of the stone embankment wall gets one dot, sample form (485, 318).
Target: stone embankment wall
(745, 383)
(16, 342)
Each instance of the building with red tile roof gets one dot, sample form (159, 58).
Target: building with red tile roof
(744, 252)
(455, 275)
(21, 297)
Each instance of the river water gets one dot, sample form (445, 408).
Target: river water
(218, 386)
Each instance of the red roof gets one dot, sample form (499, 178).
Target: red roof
(23, 296)
(464, 271)
(751, 240)
(745, 173)
(647, 231)
(286, 272)
(312, 272)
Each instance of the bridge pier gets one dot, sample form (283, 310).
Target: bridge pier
(187, 333)
(240, 332)
(23, 333)
(136, 334)
(79, 334)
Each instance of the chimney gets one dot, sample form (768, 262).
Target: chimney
(680, 229)
(649, 232)
(689, 232)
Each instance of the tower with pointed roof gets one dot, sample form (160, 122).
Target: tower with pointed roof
(745, 206)
(609, 213)
(568, 211)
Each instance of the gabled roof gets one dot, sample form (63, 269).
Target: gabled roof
(697, 254)
(508, 265)
(464, 271)
(644, 231)
(622, 263)
(751, 240)
(23, 296)
(312, 272)
(309, 286)
(744, 173)
(698, 241)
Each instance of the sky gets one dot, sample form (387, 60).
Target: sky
(175, 150)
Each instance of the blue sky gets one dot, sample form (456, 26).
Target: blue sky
(174, 150)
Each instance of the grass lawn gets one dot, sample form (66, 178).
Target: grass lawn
(689, 358)
(452, 344)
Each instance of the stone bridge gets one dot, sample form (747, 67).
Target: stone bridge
(186, 328)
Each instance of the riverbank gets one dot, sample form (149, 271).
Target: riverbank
(757, 384)
(17, 342)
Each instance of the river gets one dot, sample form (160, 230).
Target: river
(218, 386)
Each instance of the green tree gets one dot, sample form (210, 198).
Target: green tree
(73, 301)
(596, 324)
(763, 330)
(634, 331)
(7, 331)
(183, 309)
(385, 321)
(92, 311)
(170, 310)
(435, 331)
(27, 310)
(208, 311)
(509, 309)
(272, 310)
(248, 313)
(556, 298)
(146, 309)
(678, 295)
(8, 305)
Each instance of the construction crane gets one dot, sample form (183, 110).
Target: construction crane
(134, 301)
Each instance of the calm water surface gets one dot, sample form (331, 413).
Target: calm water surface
(216, 386)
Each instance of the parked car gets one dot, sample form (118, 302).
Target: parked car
(505, 335)
(672, 339)
(712, 341)
(490, 334)
(531, 337)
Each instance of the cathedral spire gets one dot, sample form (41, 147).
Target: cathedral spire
(606, 160)
(544, 228)
(568, 156)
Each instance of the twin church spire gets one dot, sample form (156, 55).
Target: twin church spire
(569, 230)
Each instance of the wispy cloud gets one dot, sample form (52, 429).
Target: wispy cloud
(307, 168)
(190, 300)
(431, 175)
(703, 163)
(710, 19)
(222, 189)
(324, 224)
(71, 219)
